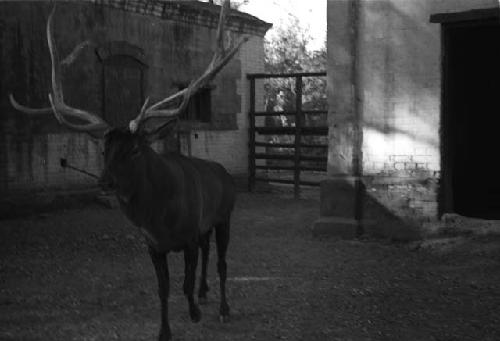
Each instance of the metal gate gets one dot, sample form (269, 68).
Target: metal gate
(294, 152)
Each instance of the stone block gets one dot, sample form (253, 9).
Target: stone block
(338, 197)
(108, 201)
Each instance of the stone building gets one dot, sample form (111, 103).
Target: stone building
(138, 48)
(413, 115)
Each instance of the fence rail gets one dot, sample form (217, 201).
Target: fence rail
(293, 150)
(289, 113)
(286, 75)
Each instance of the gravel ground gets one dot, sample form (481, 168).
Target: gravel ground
(84, 274)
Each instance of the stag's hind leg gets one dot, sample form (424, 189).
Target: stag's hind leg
(205, 250)
(222, 241)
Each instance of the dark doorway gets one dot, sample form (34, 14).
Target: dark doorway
(471, 119)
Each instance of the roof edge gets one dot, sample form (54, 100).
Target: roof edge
(190, 12)
(470, 15)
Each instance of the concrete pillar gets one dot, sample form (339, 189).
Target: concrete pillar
(341, 192)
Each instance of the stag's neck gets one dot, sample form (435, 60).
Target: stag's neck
(152, 184)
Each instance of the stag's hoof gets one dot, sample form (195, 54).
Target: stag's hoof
(164, 338)
(165, 335)
(202, 300)
(224, 314)
(224, 318)
(195, 314)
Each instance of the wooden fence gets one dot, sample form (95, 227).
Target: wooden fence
(299, 130)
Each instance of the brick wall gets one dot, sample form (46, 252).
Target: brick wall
(230, 148)
(176, 49)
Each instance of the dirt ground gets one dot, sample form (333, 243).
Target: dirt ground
(84, 274)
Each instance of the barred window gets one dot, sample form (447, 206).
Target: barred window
(200, 106)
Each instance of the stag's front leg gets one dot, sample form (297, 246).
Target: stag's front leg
(161, 268)
(190, 263)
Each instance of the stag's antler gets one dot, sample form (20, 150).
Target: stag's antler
(220, 58)
(94, 122)
(56, 98)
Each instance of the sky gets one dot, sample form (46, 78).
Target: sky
(311, 14)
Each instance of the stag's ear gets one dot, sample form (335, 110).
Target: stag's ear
(162, 131)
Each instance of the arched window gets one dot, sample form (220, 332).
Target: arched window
(123, 72)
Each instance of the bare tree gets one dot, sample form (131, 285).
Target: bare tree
(286, 52)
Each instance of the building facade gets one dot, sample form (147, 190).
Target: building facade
(137, 49)
(412, 115)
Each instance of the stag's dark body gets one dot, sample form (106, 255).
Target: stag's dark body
(176, 201)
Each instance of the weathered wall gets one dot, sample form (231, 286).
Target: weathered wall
(384, 73)
(231, 147)
(400, 71)
(175, 51)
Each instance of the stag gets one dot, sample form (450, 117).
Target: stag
(176, 201)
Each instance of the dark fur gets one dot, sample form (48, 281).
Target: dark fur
(176, 201)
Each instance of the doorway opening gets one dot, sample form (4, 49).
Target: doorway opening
(471, 119)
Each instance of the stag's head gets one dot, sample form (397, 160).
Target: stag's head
(122, 151)
(123, 146)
